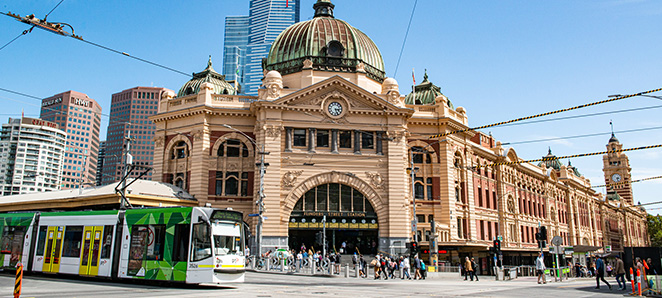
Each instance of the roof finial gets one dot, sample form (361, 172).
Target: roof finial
(549, 150)
(209, 62)
(425, 76)
(323, 8)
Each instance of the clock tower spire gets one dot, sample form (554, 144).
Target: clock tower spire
(616, 168)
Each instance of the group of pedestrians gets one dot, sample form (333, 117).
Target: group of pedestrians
(470, 268)
(391, 267)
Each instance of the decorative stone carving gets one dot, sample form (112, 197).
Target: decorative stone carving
(159, 141)
(290, 178)
(307, 64)
(397, 136)
(273, 82)
(376, 180)
(197, 135)
(273, 131)
(511, 205)
(360, 67)
(552, 214)
(391, 90)
(232, 167)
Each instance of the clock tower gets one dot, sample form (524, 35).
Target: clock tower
(616, 168)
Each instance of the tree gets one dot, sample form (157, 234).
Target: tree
(655, 230)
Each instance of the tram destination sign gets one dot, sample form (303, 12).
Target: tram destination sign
(227, 215)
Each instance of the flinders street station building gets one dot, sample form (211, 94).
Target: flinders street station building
(338, 139)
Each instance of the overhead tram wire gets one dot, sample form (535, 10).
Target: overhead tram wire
(568, 156)
(397, 65)
(57, 28)
(582, 136)
(627, 182)
(30, 30)
(545, 114)
(62, 113)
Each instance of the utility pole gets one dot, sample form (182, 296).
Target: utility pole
(412, 172)
(128, 160)
(324, 237)
(260, 201)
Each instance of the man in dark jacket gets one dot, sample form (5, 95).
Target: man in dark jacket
(474, 265)
(600, 272)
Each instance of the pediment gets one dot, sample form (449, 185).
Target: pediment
(354, 98)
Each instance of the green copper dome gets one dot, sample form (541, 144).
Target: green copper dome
(208, 75)
(331, 44)
(425, 93)
(550, 161)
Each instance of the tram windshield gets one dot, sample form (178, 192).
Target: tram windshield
(227, 239)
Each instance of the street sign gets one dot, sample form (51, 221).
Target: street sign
(607, 248)
(557, 240)
(253, 214)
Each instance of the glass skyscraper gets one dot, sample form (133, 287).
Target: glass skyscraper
(249, 38)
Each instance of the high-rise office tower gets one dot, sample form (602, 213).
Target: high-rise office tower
(266, 20)
(100, 162)
(80, 117)
(32, 154)
(129, 111)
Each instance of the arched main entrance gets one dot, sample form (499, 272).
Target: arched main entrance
(350, 218)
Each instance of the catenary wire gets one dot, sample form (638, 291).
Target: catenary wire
(545, 114)
(583, 136)
(397, 65)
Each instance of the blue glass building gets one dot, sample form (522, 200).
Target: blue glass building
(249, 38)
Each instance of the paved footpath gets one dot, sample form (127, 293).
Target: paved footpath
(284, 285)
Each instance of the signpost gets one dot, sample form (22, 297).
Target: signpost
(557, 241)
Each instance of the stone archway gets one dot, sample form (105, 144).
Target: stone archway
(335, 177)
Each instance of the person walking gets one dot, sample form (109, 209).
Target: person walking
(405, 268)
(417, 267)
(474, 266)
(600, 272)
(468, 270)
(619, 270)
(540, 268)
(423, 269)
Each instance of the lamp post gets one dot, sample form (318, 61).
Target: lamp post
(260, 200)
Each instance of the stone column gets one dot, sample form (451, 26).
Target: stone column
(288, 139)
(311, 140)
(357, 142)
(334, 141)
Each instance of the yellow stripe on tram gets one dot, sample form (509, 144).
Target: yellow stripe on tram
(205, 266)
(232, 266)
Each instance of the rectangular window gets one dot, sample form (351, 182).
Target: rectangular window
(106, 245)
(420, 218)
(367, 140)
(345, 139)
(299, 137)
(459, 228)
(429, 189)
(480, 197)
(201, 245)
(495, 204)
(41, 240)
(322, 192)
(322, 138)
(73, 236)
(334, 192)
(180, 247)
(357, 201)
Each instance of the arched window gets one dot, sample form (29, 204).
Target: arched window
(334, 197)
(179, 180)
(180, 150)
(232, 148)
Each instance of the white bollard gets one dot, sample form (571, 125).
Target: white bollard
(346, 270)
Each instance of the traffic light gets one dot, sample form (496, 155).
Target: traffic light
(538, 236)
(319, 238)
(543, 233)
(542, 244)
(497, 245)
(413, 247)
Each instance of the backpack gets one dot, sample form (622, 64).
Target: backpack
(422, 265)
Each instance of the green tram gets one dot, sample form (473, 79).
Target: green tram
(180, 244)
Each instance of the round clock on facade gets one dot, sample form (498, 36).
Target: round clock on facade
(616, 178)
(334, 108)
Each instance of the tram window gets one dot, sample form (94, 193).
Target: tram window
(12, 243)
(41, 241)
(180, 248)
(73, 236)
(224, 245)
(201, 242)
(107, 242)
(147, 242)
(345, 198)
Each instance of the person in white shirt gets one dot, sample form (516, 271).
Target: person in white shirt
(540, 268)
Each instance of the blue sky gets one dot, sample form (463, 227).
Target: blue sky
(498, 59)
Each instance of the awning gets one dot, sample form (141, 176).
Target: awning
(585, 248)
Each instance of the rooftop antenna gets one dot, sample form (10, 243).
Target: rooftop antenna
(612, 127)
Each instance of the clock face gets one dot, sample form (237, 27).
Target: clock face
(616, 178)
(335, 108)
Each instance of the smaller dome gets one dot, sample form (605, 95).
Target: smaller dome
(573, 169)
(613, 138)
(425, 93)
(209, 75)
(550, 161)
(272, 74)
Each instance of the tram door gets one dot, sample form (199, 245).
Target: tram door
(53, 251)
(89, 257)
